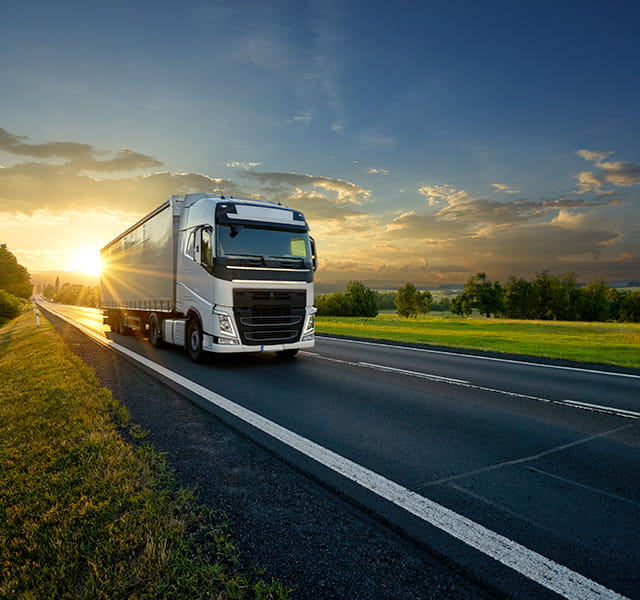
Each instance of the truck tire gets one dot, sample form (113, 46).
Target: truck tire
(193, 339)
(155, 331)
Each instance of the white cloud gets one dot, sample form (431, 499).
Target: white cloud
(303, 118)
(592, 155)
(505, 188)
(244, 165)
(611, 173)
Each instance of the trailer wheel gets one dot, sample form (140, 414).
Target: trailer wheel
(155, 333)
(194, 339)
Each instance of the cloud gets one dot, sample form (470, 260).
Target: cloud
(244, 165)
(29, 187)
(373, 171)
(467, 211)
(124, 160)
(80, 157)
(71, 150)
(505, 188)
(610, 173)
(593, 156)
(304, 118)
(345, 191)
(435, 194)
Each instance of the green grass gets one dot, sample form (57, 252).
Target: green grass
(84, 514)
(605, 343)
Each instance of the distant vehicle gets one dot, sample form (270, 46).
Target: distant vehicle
(213, 274)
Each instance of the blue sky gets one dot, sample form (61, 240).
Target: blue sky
(425, 141)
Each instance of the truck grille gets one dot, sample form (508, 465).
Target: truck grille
(269, 316)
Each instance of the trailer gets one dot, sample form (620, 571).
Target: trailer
(213, 274)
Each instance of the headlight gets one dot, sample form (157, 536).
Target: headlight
(309, 329)
(311, 323)
(226, 324)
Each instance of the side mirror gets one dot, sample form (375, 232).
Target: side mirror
(314, 254)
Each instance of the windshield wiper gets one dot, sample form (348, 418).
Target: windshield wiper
(296, 259)
(250, 256)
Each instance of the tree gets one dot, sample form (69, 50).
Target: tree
(14, 278)
(409, 301)
(461, 305)
(385, 300)
(630, 309)
(483, 294)
(442, 305)
(334, 305)
(362, 298)
(518, 298)
(594, 302)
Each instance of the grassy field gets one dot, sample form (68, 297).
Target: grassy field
(83, 513)
(605, 343)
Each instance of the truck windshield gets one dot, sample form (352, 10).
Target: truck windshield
(240, 241)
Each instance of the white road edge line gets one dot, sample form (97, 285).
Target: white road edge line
(538, 568)
(478, 357)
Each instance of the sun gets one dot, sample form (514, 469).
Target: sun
(85, 260)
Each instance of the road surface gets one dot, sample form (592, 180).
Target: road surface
(526, 475)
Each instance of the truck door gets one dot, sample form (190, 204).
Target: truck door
(197, 285)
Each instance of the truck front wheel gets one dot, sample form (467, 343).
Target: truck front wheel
(194, 339)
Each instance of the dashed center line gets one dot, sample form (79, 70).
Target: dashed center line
(618, 412)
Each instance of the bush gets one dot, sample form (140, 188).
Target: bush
(357, 301)
(630, 309)
(10, 307)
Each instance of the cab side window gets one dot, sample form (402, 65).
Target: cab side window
(206, 257)
(190, 248)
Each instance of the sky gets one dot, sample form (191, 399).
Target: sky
(424, 141)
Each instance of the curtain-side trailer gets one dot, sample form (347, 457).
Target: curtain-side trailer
(214, 274)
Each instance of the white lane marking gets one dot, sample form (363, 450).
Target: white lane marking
(413, 373)
(538, 568)
(418, 374)
(477, 357)
(609, 410)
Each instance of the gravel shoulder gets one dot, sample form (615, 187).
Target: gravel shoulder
(287, 526)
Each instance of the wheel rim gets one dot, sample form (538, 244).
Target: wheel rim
(154, 331)
(194, 339)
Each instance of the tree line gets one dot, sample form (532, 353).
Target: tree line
(359, 300)
(73, 293)
(547, 297)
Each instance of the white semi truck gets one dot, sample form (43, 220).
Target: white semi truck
(213, 274)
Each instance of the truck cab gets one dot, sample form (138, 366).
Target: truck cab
(244, 276)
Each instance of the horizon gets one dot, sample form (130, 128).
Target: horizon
(460, 143)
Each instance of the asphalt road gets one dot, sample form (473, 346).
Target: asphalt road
(526, 477)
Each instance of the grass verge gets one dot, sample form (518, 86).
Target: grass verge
(83, 514)
(605, 343)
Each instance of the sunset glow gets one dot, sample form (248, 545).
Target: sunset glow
(462, 143)
(85, 260)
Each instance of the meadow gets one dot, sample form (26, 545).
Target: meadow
(83, 512)
(603, 343)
